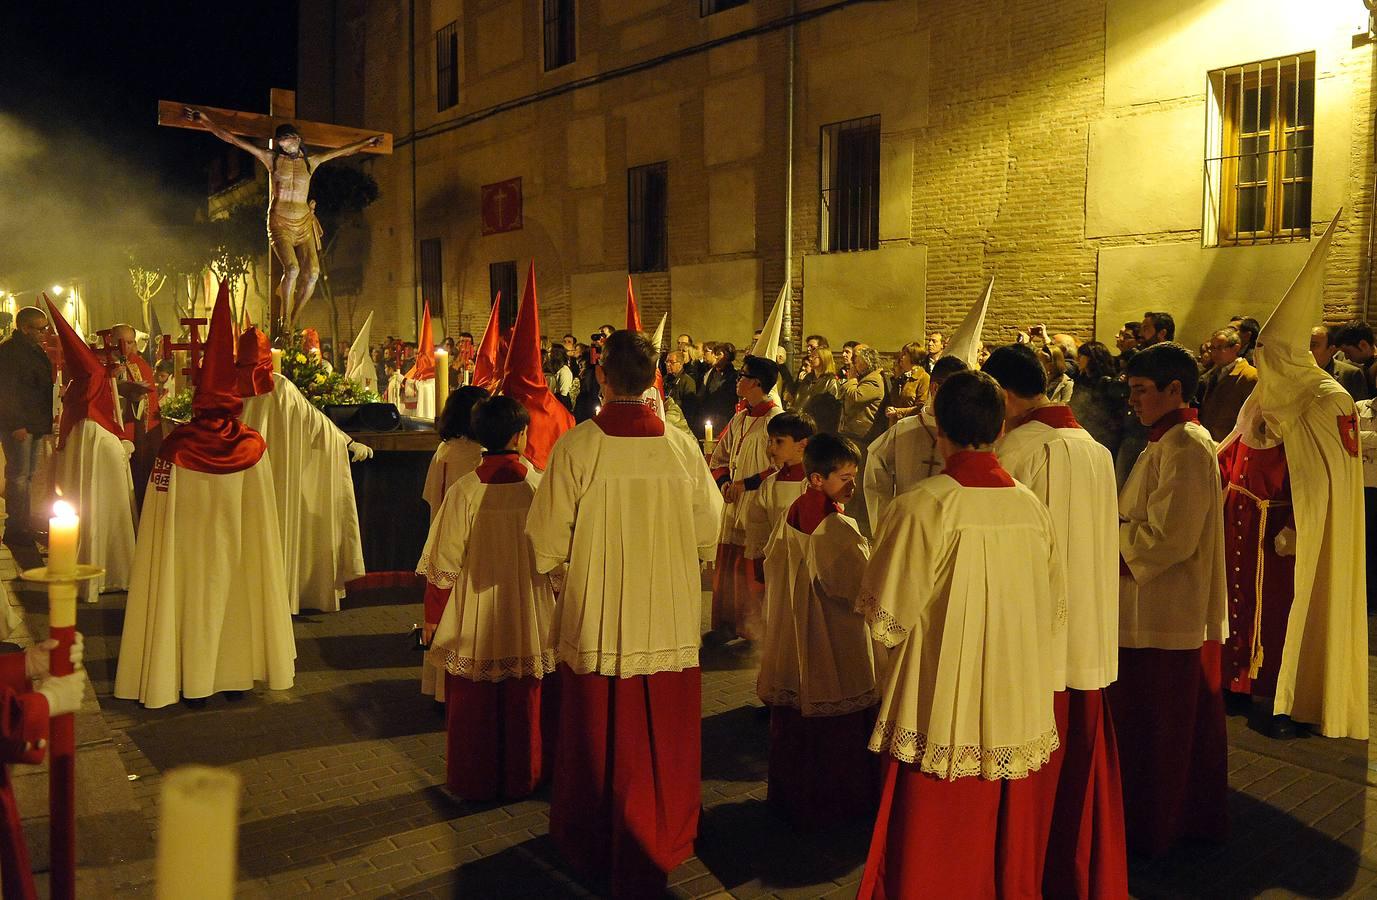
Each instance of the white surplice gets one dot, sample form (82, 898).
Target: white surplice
(92, 471)
(497, 623)
(453, 459)
(765, 507)
(317, 516)
(743, 449)
(1073, 475)
(653, 501)
(1171, 537)
(207, 608)
(817, 656)
(897, 460)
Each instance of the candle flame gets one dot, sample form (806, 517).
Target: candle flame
(63, 510)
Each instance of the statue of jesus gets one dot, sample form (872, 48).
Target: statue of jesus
(293, 230)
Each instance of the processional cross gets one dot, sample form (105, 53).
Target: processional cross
(192, 346)
(293, 245)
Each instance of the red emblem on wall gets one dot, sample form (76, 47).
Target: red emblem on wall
(1348, 433)
(502, 206)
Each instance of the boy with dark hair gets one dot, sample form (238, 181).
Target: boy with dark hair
(495, 612)
(782, 483)
(1167, 705)
(817, 666)
(965, 586)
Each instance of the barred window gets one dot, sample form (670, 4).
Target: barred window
(1260, 158)
(433, 277)
(708, 7)
(849, 176)
(447, 67)
(502, 286)
(647, 212)
(559, 33)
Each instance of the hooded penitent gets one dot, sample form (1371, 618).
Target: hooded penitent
(215, 441)
(524, 380)
(633, 312)
(1322, 678)
(424, 368)
(359, 368)
(760, 362)
(965, 340)
(487, 370)
(89, 393)
(254, 363)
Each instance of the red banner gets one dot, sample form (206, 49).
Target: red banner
(502, 206)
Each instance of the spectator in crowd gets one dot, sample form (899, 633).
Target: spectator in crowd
(862, 393)
(26, 414)
(847, 354)
(681, 388)
(1230, 382)
(570, 342)
(1325, 351)
(1100, 399)
(1356, 341)
(912, 369)
(717, 391)
(377, 354)
(1156, 327)
(1126, 342)
(1248, 328)
(694, 363)
(818, 389)
(1060, 387)
(936, 344)
(559, 376)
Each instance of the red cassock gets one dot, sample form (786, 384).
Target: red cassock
(23, 724)
(1257, 506)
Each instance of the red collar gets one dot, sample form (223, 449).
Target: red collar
(629, 419)
(1054, 415)
(502, 467)
(760, 409)
(974, 468)
(810, 510)
(1157, 430)
(791, 472)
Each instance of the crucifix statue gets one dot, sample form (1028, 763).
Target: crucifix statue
(293, 230)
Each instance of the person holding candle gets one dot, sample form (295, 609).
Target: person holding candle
(208, 608)
(312, 482)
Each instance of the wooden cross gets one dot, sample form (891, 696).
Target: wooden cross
(192, 345)
(281, 111)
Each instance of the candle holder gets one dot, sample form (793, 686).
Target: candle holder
(62, 594)
(709, 444)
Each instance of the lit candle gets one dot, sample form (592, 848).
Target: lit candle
(198, 829)
(62, 540)
(707, 431)
(441, 380)
(277, 360)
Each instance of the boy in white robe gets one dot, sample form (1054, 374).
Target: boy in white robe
(817, 667)
(208, 608)
(1168, 704)
(965, 586)
(784, 482)
(1045, 448)
(632, 509)
(907, 453)
(494, 629)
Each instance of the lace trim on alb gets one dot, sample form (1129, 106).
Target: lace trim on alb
(624, 665)
(963, 760)
(441, 578)
(883, 627)
(786, 697)
(499, 669)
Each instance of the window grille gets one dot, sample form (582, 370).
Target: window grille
(432, 277)
(502, 278)
(559, 33)
(850, 185)
(1259, 162)
(447, 67)
(708, 7)
(647, 207)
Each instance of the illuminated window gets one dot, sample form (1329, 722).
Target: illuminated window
(559, 33)
(447, 67)
(849, 176)
(1260, 163)
(708, 7)
(647, 214)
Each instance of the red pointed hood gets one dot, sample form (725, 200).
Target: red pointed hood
(254, 363)
(486, 370)
(524, 380)
(425, 351)
(88, 394)
(215, 441)
(310, 340)
(633, 312)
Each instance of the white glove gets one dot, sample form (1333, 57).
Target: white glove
(64, 693)
(38, 658)
(359, 452)
(128, 447)
(1285, 542)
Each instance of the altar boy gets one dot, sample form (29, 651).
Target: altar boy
(772, 494)
(494, 631)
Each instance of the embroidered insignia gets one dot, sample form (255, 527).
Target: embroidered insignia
(162, 475)
(1348, 433)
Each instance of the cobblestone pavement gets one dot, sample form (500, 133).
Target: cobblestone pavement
(341, 795)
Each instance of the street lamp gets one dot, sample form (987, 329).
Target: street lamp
(57, 290)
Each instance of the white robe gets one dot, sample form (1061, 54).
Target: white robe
(1073, 475)
(453, 459)
(765, 507)
(92, 470)
(817, 655)
(1171, 537)
(633, 517)
(897, 460)
(207, 608)
(742, 447)
(496, 624)
(965, 585)
(317, 516)
(425, 399)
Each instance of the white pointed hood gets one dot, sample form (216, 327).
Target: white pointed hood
(360, 366)
(659, 336)
(965, 340)
(774, 323)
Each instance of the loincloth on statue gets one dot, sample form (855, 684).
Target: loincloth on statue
(296, 241)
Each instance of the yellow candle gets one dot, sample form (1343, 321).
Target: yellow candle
(707, 430)
(441, 380)
(277, 360)
(198, 828)
(62, 539)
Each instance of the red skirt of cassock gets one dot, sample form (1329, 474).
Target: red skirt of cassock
(738, 597)
(1168, 713)
(499, 736)
(821, 770)
(628, 768)
(958, 839)
(1086, 853)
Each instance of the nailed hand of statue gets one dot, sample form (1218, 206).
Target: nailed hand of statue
(375, 141)
(192, 113)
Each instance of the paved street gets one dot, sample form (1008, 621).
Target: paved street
(341, 800)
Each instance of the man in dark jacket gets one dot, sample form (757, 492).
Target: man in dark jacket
(26, 414)
(1323, 348)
